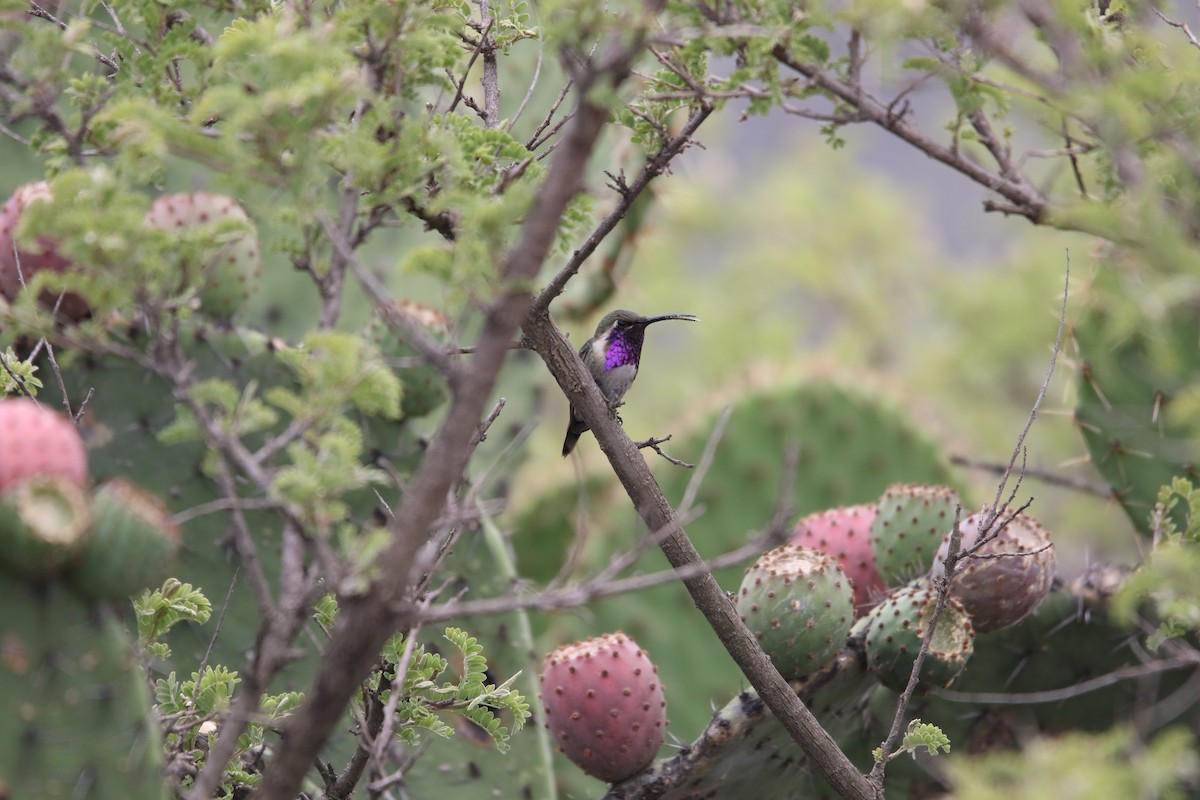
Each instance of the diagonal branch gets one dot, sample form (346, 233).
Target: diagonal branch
(1025, 199)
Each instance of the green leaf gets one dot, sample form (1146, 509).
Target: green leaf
(924, 735)
(160, 610)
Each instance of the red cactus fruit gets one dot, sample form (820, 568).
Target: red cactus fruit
(18, 265)
(845, 534)
(605, 705)
(37, 441)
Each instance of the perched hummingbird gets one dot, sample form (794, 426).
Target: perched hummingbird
(612, 356)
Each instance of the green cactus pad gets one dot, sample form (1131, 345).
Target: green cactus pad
(909, 525)
(745, 751)
(74, 700)
(44, 522)
(132, 546)
(798, 603)
(1137, 411)
(895, 629)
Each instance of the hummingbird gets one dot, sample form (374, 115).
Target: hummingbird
(612, 356)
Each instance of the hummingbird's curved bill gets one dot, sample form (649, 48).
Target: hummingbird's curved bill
(612, 356)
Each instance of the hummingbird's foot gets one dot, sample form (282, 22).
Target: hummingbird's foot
(612, 409)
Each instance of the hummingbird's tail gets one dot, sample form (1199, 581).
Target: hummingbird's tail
(575, 428)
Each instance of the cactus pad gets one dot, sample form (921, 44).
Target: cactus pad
(604, 705)
(909, 525)
(74, 700)
(798, 604)
(845, 534)
(1136, 407)
(1013, 575)
(896, 627)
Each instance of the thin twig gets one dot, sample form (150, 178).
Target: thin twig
(1132, 672)
(1044, 475)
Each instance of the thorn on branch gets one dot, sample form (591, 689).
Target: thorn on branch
(617, 183)
(653, 443)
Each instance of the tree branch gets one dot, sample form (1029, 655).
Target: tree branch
(366, 621)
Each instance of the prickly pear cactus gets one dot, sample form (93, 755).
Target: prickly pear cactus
(896, 627)
(45, 522)
(132, 546)
(1135, 375)
(1010, 574)
(851, 447)
(604, 705)
(74, 700)
(798, 604)
(745, 752)
(845, 534)
(424, 386)
(217, 247)
(909, 526)
(21, 260)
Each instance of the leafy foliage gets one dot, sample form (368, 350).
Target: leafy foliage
(17, 375)
(160, 610)
(1080, 764)
(1166, 581)
(919, 735)
(420, 691)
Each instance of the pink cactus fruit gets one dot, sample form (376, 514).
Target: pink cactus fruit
(19, 264)
(228, 269)
(845, 534)
(604, 705)
(35, 441)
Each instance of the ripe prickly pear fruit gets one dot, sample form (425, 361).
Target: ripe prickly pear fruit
(132, 546)
(221, 256)
(845, 534)
(19, 264)
(44, 521)
(37, 441)
(908, 529)
(1001, 590)
(604, 705)
(799, 604)
(896, 627)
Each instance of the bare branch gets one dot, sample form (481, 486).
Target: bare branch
(367, 620)
(1133, 672)
(1044, 475)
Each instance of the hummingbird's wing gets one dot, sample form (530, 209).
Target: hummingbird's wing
(576, 427)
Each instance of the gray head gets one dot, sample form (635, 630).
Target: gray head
(627, 319)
